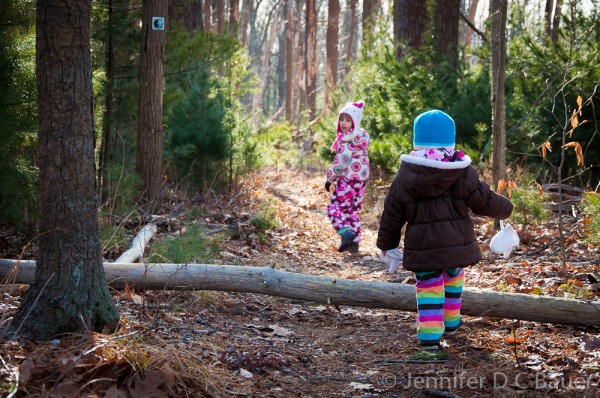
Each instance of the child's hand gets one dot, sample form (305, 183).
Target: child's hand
(327, 186)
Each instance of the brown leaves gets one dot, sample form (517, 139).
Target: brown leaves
(503, 184)
(578, 151)
(546, 147)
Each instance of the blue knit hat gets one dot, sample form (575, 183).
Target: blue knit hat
(434, 129)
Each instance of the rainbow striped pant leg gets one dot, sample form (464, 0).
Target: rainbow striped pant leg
(430, 305)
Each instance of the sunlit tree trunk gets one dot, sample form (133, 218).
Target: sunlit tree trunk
(369, 16)
(556, 21)
(472, 15)
(150, 124)
(311, 56)
(333, 17)
(247, 5)
(70, 292)
(234, 16)
(498, 12)
(351, 46)
(299, 79)
(259, 97)
(281, 58)
(289, 60)
(410, 23)
(445, 30)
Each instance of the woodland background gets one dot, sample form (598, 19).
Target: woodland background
(183, 127)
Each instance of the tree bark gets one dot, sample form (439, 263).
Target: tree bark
(333, 17)
(311, 56)
(207, 16)
(282, 56)
(150, 122)
(351, 46)
(498, 13)
(234, 16)
(257, 102)
(369, 17)
(220, 15)
(106, 146)
(289, 60)
(327, 290)
(556, 21)
(189, 12)
(300, 45)
(69, 291)
(548, 20)
(410, 24)
(472, 15)
(445, 30)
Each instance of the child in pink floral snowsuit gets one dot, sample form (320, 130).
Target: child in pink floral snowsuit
(349, 172)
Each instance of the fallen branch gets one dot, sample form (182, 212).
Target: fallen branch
(138, 244)
(327, 290)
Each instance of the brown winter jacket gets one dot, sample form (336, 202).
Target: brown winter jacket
(433, 198)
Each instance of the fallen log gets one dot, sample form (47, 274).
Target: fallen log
(325, 290)
(138, 244)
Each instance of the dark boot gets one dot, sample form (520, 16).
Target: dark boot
(353, 248)
(347, 239)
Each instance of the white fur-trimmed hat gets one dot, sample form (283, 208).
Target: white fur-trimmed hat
(354, 110)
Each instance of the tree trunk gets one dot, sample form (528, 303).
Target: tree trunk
(548, 20)
(246, 16)
(300, 80)
(234, 16)
(410, 24)
(281, 56)
(333, 17)
(351, 46)
(189, 12)
(289, 60)
(106, 146)
(369, 17)
(327, 290)
(69, 293)
(257, 102)
(445, 30)
(556, 21)
(220, 15)
(498, 11)
(207, 16)
(150, 125)
(472, 15)
(311, 56)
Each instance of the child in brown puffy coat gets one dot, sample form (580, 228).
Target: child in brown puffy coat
(432, 193)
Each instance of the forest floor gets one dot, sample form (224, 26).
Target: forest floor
(190, 344)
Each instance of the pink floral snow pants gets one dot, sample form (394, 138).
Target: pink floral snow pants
(345, 204)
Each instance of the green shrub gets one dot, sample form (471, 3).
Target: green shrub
(266, 218)
(591, 208)
(528, 206)
(189, 247)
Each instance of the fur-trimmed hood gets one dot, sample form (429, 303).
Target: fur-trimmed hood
(426, 178)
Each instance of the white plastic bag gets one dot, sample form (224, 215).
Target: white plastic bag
(393, 258)
(505, 240)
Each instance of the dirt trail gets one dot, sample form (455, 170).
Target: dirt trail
(260, 346)
(355, 352)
